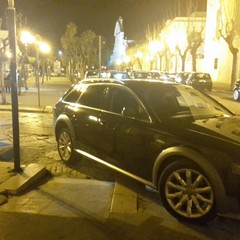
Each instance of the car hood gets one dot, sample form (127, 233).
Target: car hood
(224, 128)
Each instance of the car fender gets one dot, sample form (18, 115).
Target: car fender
(63, 119)
(166, 157)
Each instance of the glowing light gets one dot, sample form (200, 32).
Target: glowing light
(8, 54)
(27, 38)
(118, 62)
(155, 46)
(44, 47)
(138, 54)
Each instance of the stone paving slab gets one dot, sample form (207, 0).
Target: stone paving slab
(16, 183)
(124, 200)
(65, 197)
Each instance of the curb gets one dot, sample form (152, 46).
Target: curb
(46, 109)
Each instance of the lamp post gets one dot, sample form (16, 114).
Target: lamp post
(13, 74)
(26, 38)
(99, 55)
(45, 49)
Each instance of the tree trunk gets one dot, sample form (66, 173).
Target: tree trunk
(194, 59)
(234, 52)
(2, 83)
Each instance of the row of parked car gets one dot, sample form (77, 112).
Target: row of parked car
(198, 80)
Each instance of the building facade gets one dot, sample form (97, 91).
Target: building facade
(218, 59)
(213, 55)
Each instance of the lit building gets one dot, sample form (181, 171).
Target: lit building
(218, 58)
(162, 53)
(213, 55)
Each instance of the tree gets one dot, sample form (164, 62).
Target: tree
(188, 31)
(69, 42)
(229, 29)
(79, 51)
(88, 49)
(195, 40)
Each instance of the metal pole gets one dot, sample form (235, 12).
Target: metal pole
(14, 94)
(37, 75)
(99, 55)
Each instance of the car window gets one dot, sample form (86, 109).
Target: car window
(93, 96)
(124, 103)
(181, 101)
(73, 96)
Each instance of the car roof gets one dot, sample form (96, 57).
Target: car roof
(126, 82)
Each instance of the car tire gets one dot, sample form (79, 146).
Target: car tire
(236, 95)
(187, 193)
(65, 145)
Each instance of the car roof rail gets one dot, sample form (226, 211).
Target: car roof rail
(101, 80)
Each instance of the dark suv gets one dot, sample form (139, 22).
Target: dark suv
(168, 136)
(200, 81)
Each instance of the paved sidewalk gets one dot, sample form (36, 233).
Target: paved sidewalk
(38, 100)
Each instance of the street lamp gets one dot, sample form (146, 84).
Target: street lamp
(27, 38)
(45, 49)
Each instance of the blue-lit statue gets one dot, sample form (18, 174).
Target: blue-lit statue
(120, 45)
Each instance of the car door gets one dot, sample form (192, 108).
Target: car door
(87, 124)
(132, 135)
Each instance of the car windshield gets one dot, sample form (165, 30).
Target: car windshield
(178, 101)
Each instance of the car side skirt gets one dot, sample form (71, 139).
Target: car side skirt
(142, 180)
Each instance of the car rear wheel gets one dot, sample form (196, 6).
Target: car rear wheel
(65, 145)
(236, 95)
(187, 193)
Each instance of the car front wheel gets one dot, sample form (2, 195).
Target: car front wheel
(65, 145)
(187, 193)
(236, 95)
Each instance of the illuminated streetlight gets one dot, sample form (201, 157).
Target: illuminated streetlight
(155, 46)
(40, 46)
(27, 38)
(44, 47)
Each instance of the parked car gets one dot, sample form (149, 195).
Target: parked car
(114, 74)
(91, 74)
(200, 81)
(167, 76)
(168, 136)
(155, 74)
(236, 91)
(182, 77)
(140, 74)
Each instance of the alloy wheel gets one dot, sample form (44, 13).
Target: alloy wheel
(189, 193)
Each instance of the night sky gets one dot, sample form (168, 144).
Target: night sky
(50, 17)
